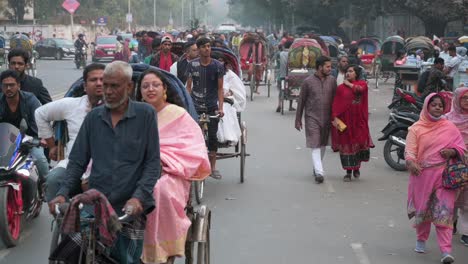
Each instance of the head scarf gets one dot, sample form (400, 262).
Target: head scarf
(458, 116)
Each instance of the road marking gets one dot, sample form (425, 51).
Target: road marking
(360, 253)
(330, 188)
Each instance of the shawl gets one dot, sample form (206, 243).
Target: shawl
(457, 115)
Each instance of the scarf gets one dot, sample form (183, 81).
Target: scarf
(457, 115)
(165, 61)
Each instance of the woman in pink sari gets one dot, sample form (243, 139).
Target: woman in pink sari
(459, 116)
(350, 105)
(183, 158)
(430, 142)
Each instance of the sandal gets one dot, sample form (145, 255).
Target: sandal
(356, 174)
(216, 175)
(347, 177)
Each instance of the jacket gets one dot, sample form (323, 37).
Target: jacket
(28, 105)
(35, 86)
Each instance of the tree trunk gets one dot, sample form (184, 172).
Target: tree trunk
(434, 27)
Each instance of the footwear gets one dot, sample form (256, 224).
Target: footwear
(347, 177)
(319, 179)
(447, 258)
(464, 240)
(278, 109)
(216, 175)
(292, 109)
(420, 247)
(455, 227)
(356, 174)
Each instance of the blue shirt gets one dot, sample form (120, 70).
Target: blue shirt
(126, 161)
(205, 84)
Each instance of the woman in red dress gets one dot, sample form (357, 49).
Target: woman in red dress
(350, 107)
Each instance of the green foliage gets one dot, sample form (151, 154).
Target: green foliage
(17, 9)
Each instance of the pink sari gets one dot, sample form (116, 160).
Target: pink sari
(428, 201)
(184, 158)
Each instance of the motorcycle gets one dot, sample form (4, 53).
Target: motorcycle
(81, 57)
(20, 195)
(395, 133)
(406, 102)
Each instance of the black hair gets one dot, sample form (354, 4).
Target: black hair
(10, 73)
(202, 41)
(156, 43)
(172, 95)
(189, 44)
(288, 44)
(439, 61)
(92, 67)
(434, 97)
(400, 53)
(357, 70)
(19, 52)
(321, 61)
(436, 53)
(436, 42)
(452, 48)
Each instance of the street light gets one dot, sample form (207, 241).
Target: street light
(154, 14)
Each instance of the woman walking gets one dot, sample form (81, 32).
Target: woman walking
(183, 158)
(430, 142)
(459, 116)
(350, 107)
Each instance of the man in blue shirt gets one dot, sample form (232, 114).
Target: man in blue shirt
(205, 84)
(121, 137)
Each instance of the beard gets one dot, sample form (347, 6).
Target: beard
(112, 106)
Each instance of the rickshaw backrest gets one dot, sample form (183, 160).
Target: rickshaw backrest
(304, 53)
(21, 41)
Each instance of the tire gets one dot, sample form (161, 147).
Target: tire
(269, 87)
(203, 248)
(58, 55)
(389, 148)
(10, 228)
(199, 191)
(243, 153)
(56, 238)
(252, 85)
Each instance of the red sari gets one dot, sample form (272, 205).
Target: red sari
(351, 106)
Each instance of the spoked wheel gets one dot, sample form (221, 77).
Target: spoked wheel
(243, 152)
(199, 187)
(394, 155)
(10, 215)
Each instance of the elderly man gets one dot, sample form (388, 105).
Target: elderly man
(340, 72)
(73, 111)
(164, 58)
(121, 137)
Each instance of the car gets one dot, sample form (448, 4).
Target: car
(104, 47)
(55, 47)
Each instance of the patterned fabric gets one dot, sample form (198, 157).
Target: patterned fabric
(353, 161)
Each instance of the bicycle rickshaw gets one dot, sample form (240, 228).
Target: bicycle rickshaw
(333, 50)
(369, 48)
(198, 234)
(255, 71)
(385, 59)
(301, 64)
(23, 41)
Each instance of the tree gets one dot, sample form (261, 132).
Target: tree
(434, 14)
(17, 9)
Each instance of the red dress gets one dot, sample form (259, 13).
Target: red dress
(351, 106)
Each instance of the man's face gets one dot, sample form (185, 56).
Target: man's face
(94, 84)
(205, 50)
(145, 36)
(193, 52)
(116, 89)
(326, 69)
(10, 87)
(166, 46)
(18, 64)
(452, 53)
(439, 66)
(343, 63)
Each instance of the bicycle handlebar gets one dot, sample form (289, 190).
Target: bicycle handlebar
(60, 209)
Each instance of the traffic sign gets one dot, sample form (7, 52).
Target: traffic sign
(101, 21)
(71, 5)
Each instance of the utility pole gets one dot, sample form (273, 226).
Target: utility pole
(154, 14)
(128, 16)
(182, 11)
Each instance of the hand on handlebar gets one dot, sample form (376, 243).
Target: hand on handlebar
(220, 113)
(57, 200)
(133, 207)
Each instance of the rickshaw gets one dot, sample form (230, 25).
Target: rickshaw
(384, 61)
(333, 50)
(301, 64)
(254, 71)
(199, 233)
(23, 41)
(464, 41)
(368, 48)
(3, 51)
(420, 43)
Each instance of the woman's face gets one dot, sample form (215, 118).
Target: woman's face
(152, 89)
(464, 102)
(350, 74)
(436, 108)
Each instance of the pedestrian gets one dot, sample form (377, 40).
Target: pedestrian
(164, 58)
(18, 59)
(315, 103)
(183, 159)
(459, 116)
(452, 65)
(283, 72)
(351, 108)
(435, 80)
(429, 143)
(121, 137)
(191, 53)
(205, 85)
(72, 111)
(340, 72)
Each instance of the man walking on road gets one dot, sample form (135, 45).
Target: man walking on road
(315, 102)
(18, 60)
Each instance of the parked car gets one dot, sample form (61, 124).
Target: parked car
(55, 47)
(104, 47)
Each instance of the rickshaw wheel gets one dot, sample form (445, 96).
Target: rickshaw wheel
(269, 86)
(203, 248)
(243, 153)
(252, 85)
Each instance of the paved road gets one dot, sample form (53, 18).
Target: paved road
(279, 215)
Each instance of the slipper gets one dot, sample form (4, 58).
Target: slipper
(356, 174)
(347, 178)
(216, 175)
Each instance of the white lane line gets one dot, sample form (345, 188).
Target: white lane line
(330, 188)
(360, 253)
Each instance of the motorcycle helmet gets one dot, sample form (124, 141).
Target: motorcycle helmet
(81, 36)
